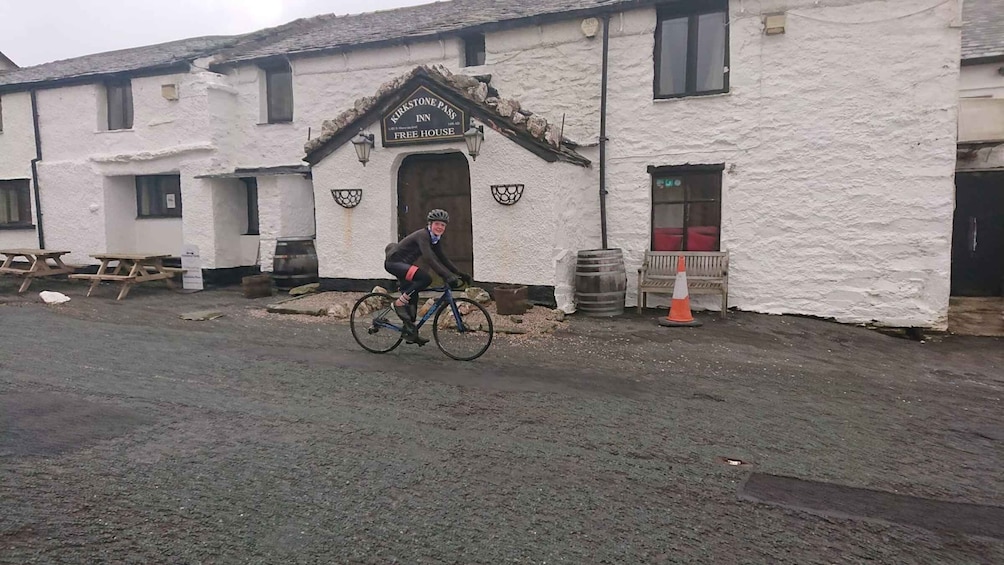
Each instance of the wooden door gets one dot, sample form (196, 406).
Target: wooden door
(425, 182)
(978, 236)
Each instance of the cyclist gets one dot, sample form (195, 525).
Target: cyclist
(401, 262)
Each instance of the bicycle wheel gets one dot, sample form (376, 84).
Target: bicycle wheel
(375, 325)
(471, 339)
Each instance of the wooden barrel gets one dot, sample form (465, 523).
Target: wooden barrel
(295, 262)
(600, 282)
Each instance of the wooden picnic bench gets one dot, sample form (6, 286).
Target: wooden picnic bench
(130, 269)
(37, 264)
(707, 273)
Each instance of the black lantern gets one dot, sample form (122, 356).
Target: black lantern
(364, 144)
(474, 137)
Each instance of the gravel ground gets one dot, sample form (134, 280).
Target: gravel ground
(128, 435)
(536, 322)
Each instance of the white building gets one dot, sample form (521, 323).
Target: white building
(978, 239)
(817, 146)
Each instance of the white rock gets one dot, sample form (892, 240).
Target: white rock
(53, 297)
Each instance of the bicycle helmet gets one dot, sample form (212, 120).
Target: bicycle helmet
(439, 215)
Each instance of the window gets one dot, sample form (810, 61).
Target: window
(279, 94)
(15, 203)
(1, 114)
(158, 196)
(119, 96)
(686, 207)
(474, 50)
(251, 185)
(691, 49)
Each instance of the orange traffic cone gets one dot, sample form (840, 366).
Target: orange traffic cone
(679, 309)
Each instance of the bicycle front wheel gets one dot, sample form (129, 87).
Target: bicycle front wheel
(465, 339)
(375, 325)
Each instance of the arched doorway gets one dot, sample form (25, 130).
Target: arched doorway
(442, 181)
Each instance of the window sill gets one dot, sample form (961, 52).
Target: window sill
(255, 234)
(265, 124)
(113, 130)
(691, 96)
(158, 217)
(12, 227)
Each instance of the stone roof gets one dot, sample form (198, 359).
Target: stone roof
(6, 62)
(309, 35)
(982, 29)
(147, 58)
(328, 32)
(505, 116)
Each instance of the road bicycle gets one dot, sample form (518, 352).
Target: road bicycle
(461, 328)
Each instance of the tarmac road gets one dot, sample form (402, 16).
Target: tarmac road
(129, 436)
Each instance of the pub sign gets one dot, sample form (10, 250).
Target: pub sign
(423, 117)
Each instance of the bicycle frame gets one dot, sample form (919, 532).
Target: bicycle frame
(445, 298)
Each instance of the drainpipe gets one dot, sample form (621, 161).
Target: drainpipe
(603, 131)
(34, 171)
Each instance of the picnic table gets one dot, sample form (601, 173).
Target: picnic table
(38, 264)
(129, 269)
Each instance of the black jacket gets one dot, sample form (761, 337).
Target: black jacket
(418, 245)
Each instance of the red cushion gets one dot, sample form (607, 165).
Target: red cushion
(702, 238)
(667, 239)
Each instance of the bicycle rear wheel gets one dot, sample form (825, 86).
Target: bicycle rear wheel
(471, 339)
(375, 325)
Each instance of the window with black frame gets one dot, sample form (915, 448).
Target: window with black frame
(119, 95)
(279, 93)
(158, 196)
(686, 208)
(474, 50)
(15, 203)
(692, 48)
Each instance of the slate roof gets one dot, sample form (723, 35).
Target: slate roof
(309, 35)
(150, 57)
(328, 32)
(6, 59)
(982, 30)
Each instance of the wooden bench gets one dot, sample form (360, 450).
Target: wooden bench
(707, 273)
(36, 264)
(130, 269)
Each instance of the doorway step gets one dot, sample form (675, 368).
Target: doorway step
(981, 316)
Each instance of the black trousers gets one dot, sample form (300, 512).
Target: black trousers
(411, 278)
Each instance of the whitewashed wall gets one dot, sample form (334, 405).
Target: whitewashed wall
(87, 174)
(17, 149)
(527, 243)
(125, 233)
(285, 209)
(839, 144)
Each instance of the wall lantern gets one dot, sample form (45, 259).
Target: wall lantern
(363, 144)
(474, 137)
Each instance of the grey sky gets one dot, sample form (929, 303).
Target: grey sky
(38, 31)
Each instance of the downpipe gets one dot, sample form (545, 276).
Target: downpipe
(34, 171)
(603, 131)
